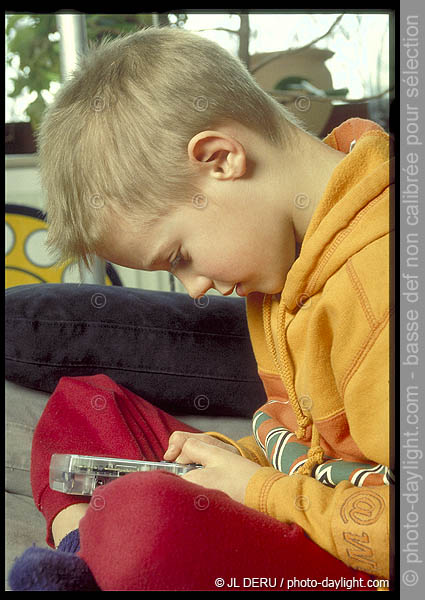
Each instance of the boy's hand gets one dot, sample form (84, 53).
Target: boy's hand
(222, 470)
(178, 439)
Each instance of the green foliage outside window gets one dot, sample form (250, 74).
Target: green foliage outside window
(35, 39)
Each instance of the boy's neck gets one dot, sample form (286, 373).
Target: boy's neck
(306, 178)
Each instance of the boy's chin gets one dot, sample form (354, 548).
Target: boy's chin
(269, 289)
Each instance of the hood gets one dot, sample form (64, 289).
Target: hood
(359, 178)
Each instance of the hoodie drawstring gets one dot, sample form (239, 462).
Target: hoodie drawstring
(315, 453)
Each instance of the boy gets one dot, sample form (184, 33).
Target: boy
(162, 153)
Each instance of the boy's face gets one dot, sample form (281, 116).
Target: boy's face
(237, 231)
(243, 226)
(221, 242)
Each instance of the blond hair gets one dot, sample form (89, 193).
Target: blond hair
(114, 141)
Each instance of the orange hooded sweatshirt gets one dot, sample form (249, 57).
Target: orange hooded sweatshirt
(323, 352)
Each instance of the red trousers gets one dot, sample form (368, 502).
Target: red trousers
(155, 530)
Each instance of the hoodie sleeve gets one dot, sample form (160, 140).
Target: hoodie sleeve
(351, 523)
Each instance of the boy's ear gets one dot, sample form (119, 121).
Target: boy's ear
(218, 154)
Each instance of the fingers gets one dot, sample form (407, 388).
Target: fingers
(195, 450)
(176, 443)
(176, 453)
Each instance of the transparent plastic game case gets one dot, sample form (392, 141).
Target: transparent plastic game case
(81, 475)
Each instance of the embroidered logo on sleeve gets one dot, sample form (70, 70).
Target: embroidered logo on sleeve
(360, 511)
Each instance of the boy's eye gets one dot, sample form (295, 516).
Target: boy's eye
(174, 263)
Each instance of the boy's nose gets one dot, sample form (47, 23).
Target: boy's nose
(199, 286)
(199, 291)
(196, 287)
(225, 290)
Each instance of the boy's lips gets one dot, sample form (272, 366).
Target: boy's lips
(239, 290)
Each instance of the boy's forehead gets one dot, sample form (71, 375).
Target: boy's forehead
(136, 248)
(139, 243)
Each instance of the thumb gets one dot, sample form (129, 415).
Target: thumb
(196, 451)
